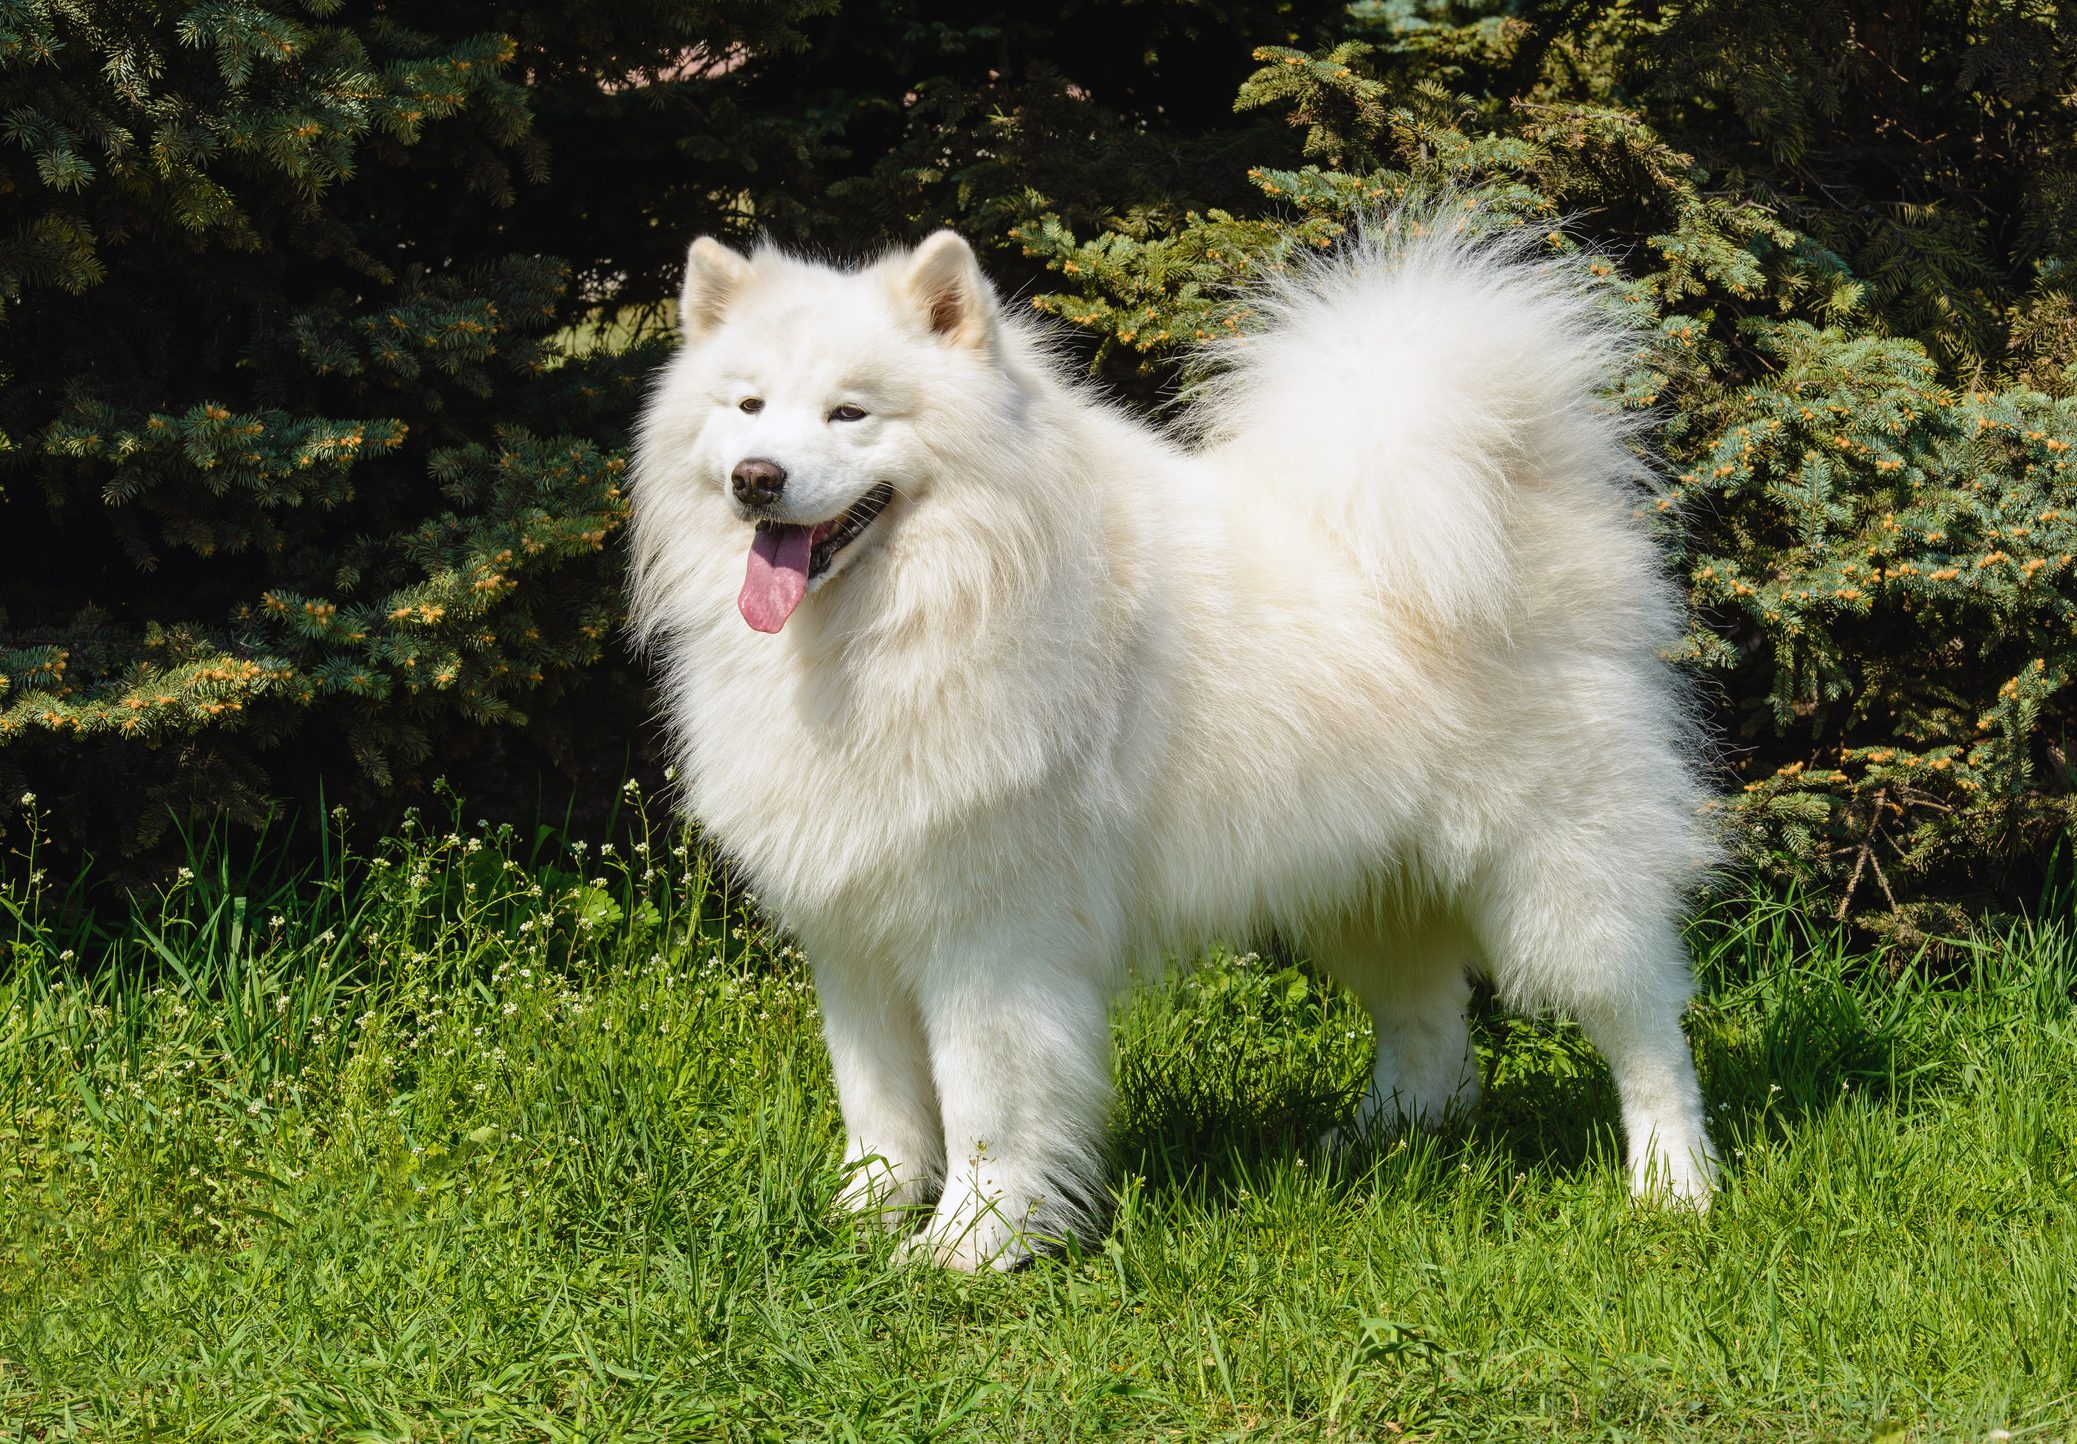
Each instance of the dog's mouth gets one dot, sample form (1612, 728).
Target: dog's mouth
(785, 557)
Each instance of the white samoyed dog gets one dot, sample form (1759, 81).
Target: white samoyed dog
(992, 689)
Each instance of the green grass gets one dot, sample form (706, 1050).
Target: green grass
(488, 1138)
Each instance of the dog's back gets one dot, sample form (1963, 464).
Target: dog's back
(1419, 618)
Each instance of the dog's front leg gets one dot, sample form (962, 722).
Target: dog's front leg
(1020, 1051)
(893, 1145)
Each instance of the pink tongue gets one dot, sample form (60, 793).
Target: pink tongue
(778, 576)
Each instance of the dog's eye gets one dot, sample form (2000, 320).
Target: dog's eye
(848, 413)
(751, 404)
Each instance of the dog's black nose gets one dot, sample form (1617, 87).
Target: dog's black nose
(758, 482)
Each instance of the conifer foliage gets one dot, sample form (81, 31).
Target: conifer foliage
(303, 472)
(272, 467)
(300, 466)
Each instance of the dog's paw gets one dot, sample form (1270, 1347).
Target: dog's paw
(962, 1255)
(876, 1194)
(1685, 1180)
(966, 1245)
(1355, 1136)
(875, 1215)
(1379, 1124)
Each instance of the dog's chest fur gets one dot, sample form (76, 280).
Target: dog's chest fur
(834, 774)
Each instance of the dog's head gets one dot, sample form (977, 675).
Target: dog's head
(816, 406)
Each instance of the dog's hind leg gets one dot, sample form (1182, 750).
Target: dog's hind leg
(1670, 1156)
(1577, 930)
(894, 1148)
(1415, 983)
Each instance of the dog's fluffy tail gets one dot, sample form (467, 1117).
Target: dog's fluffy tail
(1412, 386)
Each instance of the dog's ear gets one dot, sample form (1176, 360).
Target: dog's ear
(945, 282)
(713, 275)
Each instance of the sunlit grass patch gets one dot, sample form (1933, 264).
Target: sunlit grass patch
(505, 1134)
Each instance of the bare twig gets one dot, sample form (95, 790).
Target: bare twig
(1865, 856)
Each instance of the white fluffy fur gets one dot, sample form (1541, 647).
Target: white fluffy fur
(1375, 661)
